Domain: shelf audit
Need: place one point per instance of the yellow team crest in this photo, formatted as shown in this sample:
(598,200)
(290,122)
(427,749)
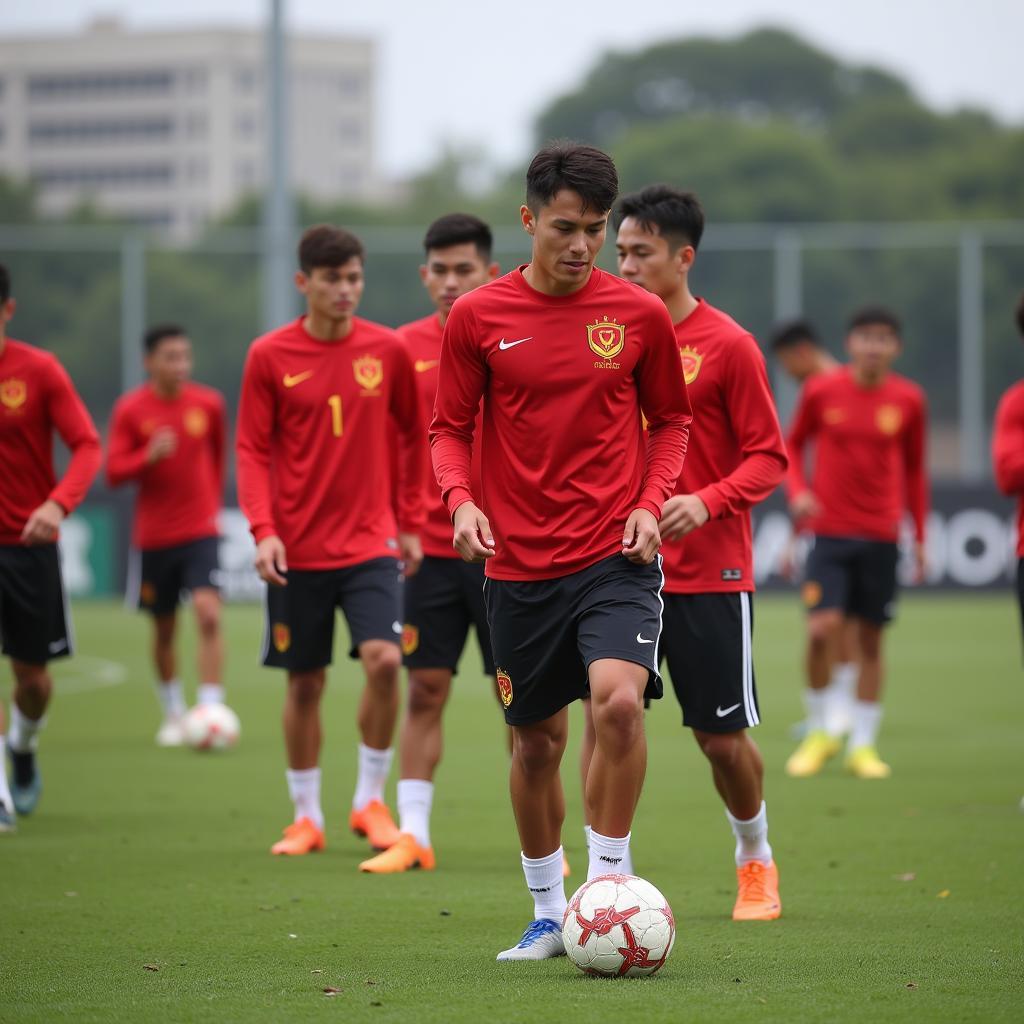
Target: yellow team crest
(410,638)
(691,360)
(13,393)
(196,421)
(504,687)
(369,372)
(282,637)
(811,593)
(889,419)
(606,338)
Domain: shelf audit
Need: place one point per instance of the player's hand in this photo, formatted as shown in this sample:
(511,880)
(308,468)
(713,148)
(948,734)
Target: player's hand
(920,563)
(270,561)
(682,514)
(162,444)
(805,506)
(473,538)
(641,539)
(42,526)
(412,553)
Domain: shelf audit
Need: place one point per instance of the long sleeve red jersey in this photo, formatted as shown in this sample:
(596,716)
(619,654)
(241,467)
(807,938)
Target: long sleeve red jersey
(869,462)
(736,455)
(312,442)
(1008,452)
(565,381)
(179,496)
(36,398)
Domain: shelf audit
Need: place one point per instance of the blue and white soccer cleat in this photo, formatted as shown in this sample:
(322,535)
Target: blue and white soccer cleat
(542,940)
(7,818)
(26,783)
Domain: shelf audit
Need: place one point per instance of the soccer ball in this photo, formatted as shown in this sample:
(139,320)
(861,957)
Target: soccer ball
(211,727)
(618,926)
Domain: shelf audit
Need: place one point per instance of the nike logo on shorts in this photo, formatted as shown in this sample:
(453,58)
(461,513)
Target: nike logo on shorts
(722,712)
(641,639)
(503,344)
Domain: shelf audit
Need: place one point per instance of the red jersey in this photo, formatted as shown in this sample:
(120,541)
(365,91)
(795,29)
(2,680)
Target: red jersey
(179,496)
(36,398)
(565,381)
(1008,452)
(736,457)
(313,434)
(869,461)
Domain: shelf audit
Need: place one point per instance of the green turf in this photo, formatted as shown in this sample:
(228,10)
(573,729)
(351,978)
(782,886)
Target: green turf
(902,898)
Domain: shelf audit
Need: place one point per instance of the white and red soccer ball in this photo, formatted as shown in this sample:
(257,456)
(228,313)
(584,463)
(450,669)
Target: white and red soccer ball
(618,926)
(211,727)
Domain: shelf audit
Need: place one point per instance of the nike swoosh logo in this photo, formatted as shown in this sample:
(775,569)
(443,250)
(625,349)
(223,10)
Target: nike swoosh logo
(422,365)
(643,640)
(503,344)
(291,379)
(722,712)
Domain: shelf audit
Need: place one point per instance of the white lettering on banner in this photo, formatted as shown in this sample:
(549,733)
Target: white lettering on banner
(74,544)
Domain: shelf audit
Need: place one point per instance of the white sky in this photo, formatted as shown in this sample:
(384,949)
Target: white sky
(478,71)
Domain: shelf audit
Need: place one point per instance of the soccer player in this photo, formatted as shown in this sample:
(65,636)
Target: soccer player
(868,426)
(314,428)
(167,436)
(799,350)
(736,458)
(36,399)
(446,596)
(568,361)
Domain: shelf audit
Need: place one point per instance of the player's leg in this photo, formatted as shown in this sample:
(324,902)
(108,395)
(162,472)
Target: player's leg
(842,684)
(160,585)
(587,744)
(33,687)
(472,574)
(7,813)
(201,577)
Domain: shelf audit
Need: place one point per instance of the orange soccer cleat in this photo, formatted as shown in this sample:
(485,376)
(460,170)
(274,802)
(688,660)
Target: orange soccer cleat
(758,898)
(300,837)
(375,822)
(405,855)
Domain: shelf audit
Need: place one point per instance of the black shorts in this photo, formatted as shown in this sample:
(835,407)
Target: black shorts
(35,624)
(442,601)
(298,633)
(855,575)
(165,573)
(546,633)
(707,644)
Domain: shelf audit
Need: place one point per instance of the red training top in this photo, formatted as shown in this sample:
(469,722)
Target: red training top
(36,398)
(565,381)
(179,495)
(736,456)
(869,464)
(313,435)
(1008,452)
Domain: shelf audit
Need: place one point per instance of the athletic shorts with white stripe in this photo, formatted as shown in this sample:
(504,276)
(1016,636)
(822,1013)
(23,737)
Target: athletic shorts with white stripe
(707,645)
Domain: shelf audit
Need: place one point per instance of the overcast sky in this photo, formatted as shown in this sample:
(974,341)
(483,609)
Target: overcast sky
(478,72)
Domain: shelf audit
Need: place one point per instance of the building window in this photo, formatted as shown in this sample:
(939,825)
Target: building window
(196,171)
(246,80)
(195,80)
(245,173)
(195,126)
(351,85)
(151,129)
(351,131)
(245,125)
(121,175)
(84,85)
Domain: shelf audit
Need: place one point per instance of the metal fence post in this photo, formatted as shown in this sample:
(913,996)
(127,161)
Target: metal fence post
(133,307)
(788,263)
(973,458)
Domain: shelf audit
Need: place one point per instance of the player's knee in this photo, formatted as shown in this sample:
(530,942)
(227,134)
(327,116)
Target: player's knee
(306,687)
(381,660)
(31,677)
(618,715)
(208,618)
(721,749)
(821,627)
(427,693)
(537,750)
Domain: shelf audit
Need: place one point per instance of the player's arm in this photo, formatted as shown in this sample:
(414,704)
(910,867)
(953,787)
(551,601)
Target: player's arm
(126,459)
(410,500)
(802,501)
(755,423)
(666,406)
(73,423)
(462,377)
(916,477)
(1008,444)
(256,411)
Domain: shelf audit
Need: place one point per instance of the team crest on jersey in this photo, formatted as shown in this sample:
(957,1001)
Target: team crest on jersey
(811,593)
(889,419)
(691,360)
(369,372)
(196,421)
(606,338)
(282,637)
(13,393)
(410,638)
(504,687)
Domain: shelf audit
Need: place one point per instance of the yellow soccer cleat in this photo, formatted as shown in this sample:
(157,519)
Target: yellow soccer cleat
(300,838)
(405,855)
(375,822)
(758,897)
(865,763)
(810,757)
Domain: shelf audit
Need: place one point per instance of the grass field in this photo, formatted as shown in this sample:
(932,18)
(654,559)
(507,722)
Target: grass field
(903,899)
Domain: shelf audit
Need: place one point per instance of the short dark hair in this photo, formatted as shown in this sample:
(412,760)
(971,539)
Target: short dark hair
(5,283)
(793,333)
(159,333)
(457,229)
(876,316)
(676,214)
(324,245)
(1020,314)
(585,170)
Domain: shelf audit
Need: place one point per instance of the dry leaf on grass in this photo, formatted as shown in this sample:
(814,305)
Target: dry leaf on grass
(331,991)
(942,895)
(907,876)
(150,967)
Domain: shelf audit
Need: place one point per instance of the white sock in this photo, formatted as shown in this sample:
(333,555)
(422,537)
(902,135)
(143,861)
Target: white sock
(867,717)
(586,835)
(751,837)
(816,703)
(23,733)
(304,789)
(171,698)
(414,799)
(5,792)
(545,882)
(607,855)
(210,693)
(844,679)
(374,766)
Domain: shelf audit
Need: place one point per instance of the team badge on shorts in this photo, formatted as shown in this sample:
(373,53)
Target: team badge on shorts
(410,638)
(369,373)
(606,338)
(147,593)
(889,419)
(13,393)
(811,593)
(196,421)
(282,637)
(504,687)
(691,360)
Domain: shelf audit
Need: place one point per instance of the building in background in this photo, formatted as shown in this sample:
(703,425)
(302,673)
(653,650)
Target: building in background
(166,128)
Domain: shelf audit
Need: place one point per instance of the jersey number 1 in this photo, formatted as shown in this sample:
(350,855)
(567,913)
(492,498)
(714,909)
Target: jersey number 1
(335,403)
